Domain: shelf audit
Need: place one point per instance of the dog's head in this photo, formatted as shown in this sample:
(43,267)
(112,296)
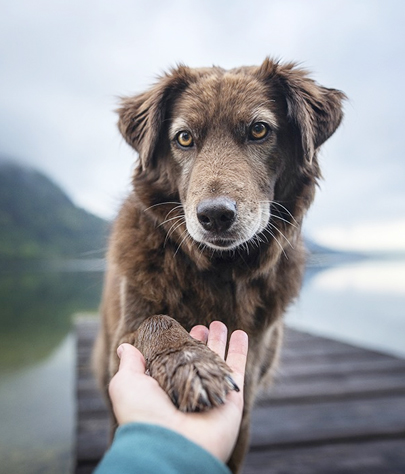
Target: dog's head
(237,148)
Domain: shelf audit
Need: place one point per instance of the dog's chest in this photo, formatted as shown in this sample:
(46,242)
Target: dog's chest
(203,297)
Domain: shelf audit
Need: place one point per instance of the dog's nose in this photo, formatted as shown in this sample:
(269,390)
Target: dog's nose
(216,215)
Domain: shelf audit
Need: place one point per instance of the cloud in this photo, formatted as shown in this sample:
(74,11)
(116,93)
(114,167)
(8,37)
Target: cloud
(64,63)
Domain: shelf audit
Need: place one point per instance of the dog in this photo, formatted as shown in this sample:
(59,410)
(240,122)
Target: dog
(212,228)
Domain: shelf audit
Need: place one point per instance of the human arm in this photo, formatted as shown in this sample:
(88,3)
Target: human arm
(137,398)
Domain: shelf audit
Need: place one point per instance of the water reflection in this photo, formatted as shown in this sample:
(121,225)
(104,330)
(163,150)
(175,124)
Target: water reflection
(36,310)
(37,415)
(361,303)
(37,363)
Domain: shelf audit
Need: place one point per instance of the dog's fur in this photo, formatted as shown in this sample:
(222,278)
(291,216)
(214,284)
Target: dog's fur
(211,230)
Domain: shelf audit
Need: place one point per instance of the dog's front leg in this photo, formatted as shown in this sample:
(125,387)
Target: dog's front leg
(235,462)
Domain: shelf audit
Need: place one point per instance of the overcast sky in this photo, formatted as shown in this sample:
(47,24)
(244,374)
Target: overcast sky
(63,63)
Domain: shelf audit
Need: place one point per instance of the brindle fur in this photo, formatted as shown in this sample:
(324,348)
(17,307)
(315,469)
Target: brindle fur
(160,260)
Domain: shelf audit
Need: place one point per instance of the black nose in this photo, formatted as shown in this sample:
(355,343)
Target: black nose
(216,215)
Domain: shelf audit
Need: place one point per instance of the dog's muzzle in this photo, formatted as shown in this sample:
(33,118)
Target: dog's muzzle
(216,215)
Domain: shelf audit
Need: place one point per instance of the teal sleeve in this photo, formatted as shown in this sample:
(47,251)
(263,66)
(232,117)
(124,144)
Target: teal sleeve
(140,448)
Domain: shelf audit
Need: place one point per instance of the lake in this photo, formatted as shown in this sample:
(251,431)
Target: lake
(361,302)
(37,359)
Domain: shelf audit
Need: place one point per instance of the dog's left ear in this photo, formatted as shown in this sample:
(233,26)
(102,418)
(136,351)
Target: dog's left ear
(315,111)
(141,117)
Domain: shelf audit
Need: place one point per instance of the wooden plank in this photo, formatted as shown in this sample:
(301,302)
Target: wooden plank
(331,370)
(328,387)
(305,348)
(376,457)
(92,403)
(92,440)
(294,336)
(329,352)
(92,427)
(374,363)
(328,421)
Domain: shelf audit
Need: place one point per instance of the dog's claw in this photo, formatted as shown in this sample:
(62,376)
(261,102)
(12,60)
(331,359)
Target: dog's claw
(232,383)
(203,399)
(175,398)
(219,400)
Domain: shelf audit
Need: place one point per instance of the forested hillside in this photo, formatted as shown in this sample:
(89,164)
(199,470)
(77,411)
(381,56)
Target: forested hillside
(38,220)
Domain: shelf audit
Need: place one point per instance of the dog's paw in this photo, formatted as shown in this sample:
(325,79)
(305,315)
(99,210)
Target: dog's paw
(194,377)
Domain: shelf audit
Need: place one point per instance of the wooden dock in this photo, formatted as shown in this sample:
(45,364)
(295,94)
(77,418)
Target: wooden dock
(334,408)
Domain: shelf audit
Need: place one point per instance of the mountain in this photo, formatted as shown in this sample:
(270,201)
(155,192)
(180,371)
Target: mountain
(313,248)
(38,220)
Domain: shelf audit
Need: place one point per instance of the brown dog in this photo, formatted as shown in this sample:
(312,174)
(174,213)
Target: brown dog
(211,231)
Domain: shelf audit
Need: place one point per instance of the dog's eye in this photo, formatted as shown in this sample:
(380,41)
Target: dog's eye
(258,131)
(185,139)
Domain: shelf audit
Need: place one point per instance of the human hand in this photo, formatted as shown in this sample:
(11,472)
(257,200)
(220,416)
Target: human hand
(137,397)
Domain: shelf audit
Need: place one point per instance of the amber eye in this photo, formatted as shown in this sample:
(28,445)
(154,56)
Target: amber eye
(258,131)
(185,139)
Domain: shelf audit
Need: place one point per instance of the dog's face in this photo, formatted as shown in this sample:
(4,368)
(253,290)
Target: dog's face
(223,139)
(231,144)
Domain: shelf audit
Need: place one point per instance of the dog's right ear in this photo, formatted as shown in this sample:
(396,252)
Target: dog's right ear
(313,110)
(141,117)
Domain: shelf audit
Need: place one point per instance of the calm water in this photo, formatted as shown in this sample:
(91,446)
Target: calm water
(37,365)
(361,302)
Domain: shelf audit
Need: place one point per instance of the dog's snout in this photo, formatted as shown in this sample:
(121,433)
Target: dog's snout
(216,215)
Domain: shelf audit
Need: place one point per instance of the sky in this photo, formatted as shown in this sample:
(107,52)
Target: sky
(65,63)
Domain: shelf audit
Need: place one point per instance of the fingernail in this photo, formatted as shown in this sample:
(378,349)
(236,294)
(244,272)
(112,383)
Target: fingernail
(120,350)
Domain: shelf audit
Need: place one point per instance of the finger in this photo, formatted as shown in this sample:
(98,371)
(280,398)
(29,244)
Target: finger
(200,333)
(131,359)
(237,355)
(217,337)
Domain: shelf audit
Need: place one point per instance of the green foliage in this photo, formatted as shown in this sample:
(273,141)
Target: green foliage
(38,220)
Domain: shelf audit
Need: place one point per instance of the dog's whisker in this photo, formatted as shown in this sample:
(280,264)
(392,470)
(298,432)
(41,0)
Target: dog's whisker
(183,240)
(175,209)
(201,248)
(264,238)
(278,242)
(178,247)
(170,220)
(277,216)
(286,210)
(282,235)
(285,220)
(173,229)
(240,253)
(256,241)
(163,204)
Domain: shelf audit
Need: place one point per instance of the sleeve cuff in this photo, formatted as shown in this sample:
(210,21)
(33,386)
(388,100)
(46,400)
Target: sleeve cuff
(141,447)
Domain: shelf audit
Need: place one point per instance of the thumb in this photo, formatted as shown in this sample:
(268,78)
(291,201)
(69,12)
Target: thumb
(131,359)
